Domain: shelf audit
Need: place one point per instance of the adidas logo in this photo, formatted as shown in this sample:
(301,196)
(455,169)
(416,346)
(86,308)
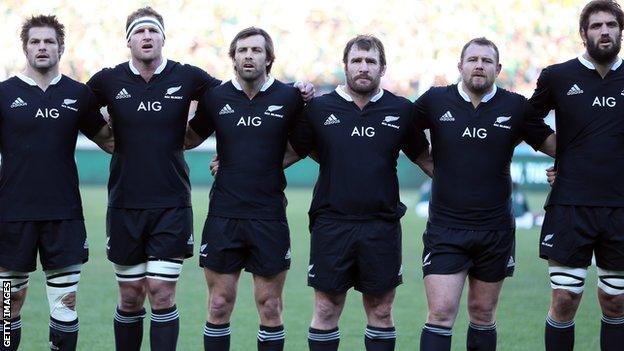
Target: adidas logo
(288,255)
(190,240)
(123,94)
(331,120)
(575,90)
(511,262)
(622,93)
(225,110)
(18,103)
(447,117)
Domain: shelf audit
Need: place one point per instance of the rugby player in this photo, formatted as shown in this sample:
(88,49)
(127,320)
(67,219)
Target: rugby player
(41,112)
(470,232)
(246,227)
(149,219)
(357,132)
(585,209)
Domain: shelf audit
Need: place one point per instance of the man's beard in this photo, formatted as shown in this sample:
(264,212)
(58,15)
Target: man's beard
(603,56)
(363,90)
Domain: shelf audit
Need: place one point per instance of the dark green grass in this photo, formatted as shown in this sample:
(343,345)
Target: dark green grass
(521,312)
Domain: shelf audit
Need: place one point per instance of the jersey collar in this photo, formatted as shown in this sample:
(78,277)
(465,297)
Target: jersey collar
(487,97)
(31,82)
(264,87)
(341,91)
(590,65)
(158,70)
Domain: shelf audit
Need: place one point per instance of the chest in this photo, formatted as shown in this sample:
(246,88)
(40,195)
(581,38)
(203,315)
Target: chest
(460,125)
(346,127)
(55,112)
(239,116)
(163,101)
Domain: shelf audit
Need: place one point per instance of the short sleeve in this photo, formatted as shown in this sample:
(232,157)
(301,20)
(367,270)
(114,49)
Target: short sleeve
(414,141)
(202,123)
(91,120)
(203,82)
(534,131)
(302,137)
(542,100)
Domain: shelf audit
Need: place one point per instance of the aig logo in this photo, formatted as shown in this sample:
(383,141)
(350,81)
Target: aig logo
(480,133)
(604,101)
(363,132)
(249,121)
(149,106)
(47,113)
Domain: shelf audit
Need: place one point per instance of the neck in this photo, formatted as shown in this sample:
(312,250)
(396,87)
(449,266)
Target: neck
(147,68)
(360,99)
(252,88)
(601,68)
(42,77)
(476,98)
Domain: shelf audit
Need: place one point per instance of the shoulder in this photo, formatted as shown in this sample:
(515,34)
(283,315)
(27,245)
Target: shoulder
(327,99)
(510,95)
(566,68)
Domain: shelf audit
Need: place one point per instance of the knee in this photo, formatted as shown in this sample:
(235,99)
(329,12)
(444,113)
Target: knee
(442,314)
(270,308)
(381,312)
(612,305)
(161,294)
(69,300)
(132,295)
(17,301)
(326,310)
(220,306)
(564,304)
(481,312)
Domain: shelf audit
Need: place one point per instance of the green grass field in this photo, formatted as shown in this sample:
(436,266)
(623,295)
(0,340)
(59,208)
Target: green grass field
(521,312)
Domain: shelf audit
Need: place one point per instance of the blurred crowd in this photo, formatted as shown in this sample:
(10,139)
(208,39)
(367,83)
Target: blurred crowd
(423,39)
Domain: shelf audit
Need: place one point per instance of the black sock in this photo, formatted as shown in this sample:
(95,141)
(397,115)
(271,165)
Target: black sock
(379,339)
(16,335)
(435,338)
(611,333)
(217,337)
(128,330)
(164,329)
(559,336)
(63,335)
(323,340)
(481,337)
(271,338)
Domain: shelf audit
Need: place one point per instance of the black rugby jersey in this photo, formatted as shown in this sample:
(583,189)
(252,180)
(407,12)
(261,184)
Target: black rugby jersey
(472,151)
(357,152)
(38,132)
(148,169)
(251,140)
(590,132)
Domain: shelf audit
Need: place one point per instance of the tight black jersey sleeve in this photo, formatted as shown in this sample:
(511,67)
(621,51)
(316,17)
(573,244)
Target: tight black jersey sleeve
(202,123)
(93,121)
(302,138)
(414,142)
(534,130)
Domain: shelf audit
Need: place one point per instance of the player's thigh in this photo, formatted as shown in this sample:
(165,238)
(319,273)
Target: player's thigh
(19,245)
(444,291)
(266,288)
(483,298)
(223,246)
(492,254)
(445,250)
(333,256)
(568,235)
(379,253)
(268,244)
(170,233)
(63,243)
(222,285)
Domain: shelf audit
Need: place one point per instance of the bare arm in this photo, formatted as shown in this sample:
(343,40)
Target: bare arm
(104,139)
(549,146)
(425,162)
(192,139)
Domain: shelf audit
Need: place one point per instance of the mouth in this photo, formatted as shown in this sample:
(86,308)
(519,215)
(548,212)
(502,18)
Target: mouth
(42,57)
(147,46)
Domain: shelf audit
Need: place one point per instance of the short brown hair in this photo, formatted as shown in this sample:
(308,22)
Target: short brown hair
(482,41)
(365,42)
(145,12)
(43,21)
(594,6)
(249,32)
